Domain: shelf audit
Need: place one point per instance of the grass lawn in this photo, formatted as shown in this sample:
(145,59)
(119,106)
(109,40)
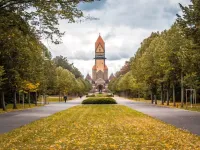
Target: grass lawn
(56,99)
(178,104)
(52,99)
(102,95)
(9,107)
(99,127)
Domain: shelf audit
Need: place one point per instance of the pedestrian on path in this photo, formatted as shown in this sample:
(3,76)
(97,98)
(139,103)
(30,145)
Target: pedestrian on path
(65,98)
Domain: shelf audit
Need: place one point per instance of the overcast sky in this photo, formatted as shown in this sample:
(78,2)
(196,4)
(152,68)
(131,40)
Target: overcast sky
(123,24)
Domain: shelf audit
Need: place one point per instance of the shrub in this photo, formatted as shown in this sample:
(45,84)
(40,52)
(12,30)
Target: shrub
(99,100)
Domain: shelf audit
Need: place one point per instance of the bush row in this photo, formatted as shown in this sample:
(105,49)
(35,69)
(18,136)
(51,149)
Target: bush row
(99,100)
(100,95)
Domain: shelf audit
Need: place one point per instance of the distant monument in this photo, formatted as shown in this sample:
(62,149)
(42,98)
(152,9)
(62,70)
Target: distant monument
(100,70)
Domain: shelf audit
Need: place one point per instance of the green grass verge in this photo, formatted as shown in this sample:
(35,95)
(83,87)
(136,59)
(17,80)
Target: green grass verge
(104,95)
(90,95)
(99,100)
(56,99)
(99,127)
(9,107)
(52,99)
(178,104)
(100,95)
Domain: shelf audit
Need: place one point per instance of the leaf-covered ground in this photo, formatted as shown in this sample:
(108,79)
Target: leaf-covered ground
(99,127)
(9,107)
(195,107)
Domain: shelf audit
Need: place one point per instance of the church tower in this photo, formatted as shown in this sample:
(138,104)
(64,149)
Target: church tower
(100,70)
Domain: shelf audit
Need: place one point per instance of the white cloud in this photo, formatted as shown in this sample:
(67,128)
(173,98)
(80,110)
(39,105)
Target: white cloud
(123,24)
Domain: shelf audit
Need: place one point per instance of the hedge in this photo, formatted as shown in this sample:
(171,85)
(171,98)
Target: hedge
(99,100)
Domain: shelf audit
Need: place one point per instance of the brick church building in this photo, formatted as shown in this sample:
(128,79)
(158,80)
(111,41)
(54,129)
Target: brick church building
(100,70)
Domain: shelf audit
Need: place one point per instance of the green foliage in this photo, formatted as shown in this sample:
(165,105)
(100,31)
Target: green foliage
(99,100)
(67,83)
(190,20)
(1,76)
(158,65)
(24,59)
(61,61)
(45,14)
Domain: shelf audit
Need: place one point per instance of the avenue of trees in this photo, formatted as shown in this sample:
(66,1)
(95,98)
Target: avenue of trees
(167,63)
(27,69)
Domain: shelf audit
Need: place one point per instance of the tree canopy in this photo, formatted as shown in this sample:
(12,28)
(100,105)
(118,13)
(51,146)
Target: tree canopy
(43,16)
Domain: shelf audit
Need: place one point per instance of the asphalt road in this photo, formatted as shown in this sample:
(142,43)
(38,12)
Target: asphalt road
(12,120)
(184,119)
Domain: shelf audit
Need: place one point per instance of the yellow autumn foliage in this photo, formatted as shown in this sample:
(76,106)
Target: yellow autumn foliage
(28,86)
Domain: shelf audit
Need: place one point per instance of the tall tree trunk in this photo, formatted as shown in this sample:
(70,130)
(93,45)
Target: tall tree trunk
(19,97)
(59,96)
(3,102)
(45,100)
(161,94)
(36,98)
(174,97)
(155,99)
(139,95)
(15,100)
(23,99)
(167,97)
(151,97)
(29,99)
(182,90)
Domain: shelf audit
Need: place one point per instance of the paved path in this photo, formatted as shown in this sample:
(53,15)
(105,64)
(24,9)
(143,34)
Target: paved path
(12,120)
(184,119)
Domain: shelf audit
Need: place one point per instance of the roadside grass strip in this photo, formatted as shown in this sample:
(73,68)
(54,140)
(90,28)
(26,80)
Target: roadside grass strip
(9,107)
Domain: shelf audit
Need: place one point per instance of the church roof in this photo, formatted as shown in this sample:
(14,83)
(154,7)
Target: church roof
(88,77)
(111,77)
(105,68)
(100,41)
(94,67)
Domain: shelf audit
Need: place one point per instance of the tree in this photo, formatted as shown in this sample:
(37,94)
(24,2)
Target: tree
(61,61)
(21,54)
(1,76)
(190,20)
(165,63)
(44,15)
(2,104)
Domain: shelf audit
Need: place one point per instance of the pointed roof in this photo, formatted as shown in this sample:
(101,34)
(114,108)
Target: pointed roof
(88,77)
(111,77)
(94,67)
(99,41)
(105,67)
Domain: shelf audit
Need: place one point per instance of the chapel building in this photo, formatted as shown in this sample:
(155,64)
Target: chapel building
(100,70)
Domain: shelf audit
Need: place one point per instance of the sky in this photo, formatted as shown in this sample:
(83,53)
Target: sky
(123,24)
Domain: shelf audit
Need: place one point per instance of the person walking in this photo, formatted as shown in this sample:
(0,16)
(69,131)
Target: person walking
(65,98)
